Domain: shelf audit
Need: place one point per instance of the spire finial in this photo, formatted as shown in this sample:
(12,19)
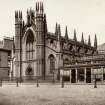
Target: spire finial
(95,41)
(82,38)
(75,37)
(89,41)
(38,6)
(56,29)
(59,29)
(58,32)
(45,22)
(66,33)
(27,11)
(21,14)
(16,14)
(42,7)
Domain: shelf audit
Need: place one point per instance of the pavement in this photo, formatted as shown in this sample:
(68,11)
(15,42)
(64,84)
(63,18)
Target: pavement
(50,94)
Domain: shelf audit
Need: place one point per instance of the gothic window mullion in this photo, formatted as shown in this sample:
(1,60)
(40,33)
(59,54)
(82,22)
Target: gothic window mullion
(32,50)
(29,51)
(29,45)
(52,64)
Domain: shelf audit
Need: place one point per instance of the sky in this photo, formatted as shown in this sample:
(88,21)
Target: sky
(87,16)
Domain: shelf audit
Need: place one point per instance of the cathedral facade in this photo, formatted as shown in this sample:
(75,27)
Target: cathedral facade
(42,53)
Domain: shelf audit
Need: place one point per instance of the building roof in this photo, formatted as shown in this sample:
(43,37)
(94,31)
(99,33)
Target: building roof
(71,41)
(101,48)
(5,50)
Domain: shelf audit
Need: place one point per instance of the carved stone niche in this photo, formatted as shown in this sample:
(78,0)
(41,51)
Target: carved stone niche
(66,60)
(90,51)
(81,50)
(55,44)
(78,49)
(65,46)
(70,47)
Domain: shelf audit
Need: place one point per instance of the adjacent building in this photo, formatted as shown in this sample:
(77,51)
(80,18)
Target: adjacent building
(5,57)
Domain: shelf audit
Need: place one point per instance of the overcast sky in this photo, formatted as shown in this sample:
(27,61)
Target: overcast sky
(87,16)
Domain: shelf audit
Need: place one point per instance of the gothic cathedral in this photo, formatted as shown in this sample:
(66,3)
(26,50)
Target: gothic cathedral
(42,53)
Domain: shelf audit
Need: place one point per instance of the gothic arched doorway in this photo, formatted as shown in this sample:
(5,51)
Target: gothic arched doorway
(29,73)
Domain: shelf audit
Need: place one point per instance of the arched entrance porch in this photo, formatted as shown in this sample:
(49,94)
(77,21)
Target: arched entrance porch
(29,73)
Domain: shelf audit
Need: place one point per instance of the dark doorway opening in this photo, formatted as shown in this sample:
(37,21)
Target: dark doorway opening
(66,78)
(73,76)
(80,75)
(88,75)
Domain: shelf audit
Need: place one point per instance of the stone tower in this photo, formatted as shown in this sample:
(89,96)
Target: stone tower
(40,39)
(18,48)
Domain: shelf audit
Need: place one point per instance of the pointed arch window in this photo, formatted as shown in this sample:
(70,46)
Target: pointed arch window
(66,61)
(30,46)
(52,63)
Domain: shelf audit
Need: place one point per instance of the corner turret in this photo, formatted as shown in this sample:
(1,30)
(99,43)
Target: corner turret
(41,31)
(18,45)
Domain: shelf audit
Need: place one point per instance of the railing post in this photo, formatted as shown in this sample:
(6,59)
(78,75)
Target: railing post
(37,82)
(85,75)
(95,82)
(17,82)
(53,78)
(102,75)
(0,82)
(70,75)
(62,82)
